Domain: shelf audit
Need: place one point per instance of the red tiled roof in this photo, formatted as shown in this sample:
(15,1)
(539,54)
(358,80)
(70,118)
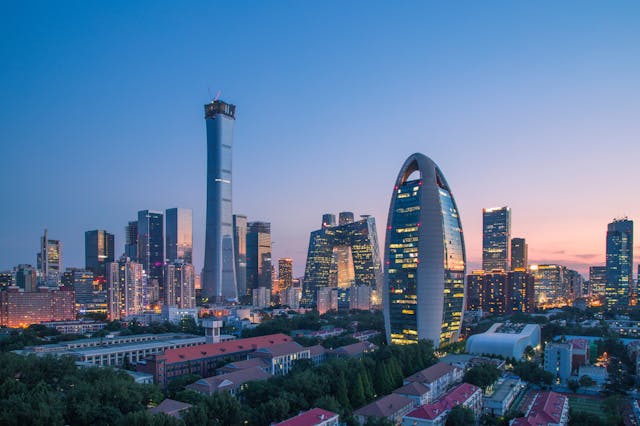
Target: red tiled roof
(431,374)
(385,406)
(170,407)
(547,408)
(578,343)
(308,418)
(456,396)
(223,348)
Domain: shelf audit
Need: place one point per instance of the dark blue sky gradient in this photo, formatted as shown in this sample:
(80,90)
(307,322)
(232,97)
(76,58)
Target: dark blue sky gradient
(529,104)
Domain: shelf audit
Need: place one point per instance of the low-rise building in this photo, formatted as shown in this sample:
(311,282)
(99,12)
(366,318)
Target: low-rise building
(498,402)
(317,354)
(597,374)
(281,357)
(579,352)
(354,350)
(313,417)
(391,407)
(229,382)
(420,393)
(545,408)
(243,365)
(557,360)
(505,339)
(435,414)
(171,407)
(75,327)
(439,377)
(365,335)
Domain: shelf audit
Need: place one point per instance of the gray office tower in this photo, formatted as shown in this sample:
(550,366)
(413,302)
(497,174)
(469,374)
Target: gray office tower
(619,262)
(98,251)
(496,235)
(219,281)
(179,235)
(151,249)
(519,253)
(259,255)
(131,240)
(240,245)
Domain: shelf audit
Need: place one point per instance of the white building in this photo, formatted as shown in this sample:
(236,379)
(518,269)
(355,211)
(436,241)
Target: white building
(505,339)
(557,360)
(497,402)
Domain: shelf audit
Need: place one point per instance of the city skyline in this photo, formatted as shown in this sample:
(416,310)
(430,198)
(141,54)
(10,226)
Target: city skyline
(550,126)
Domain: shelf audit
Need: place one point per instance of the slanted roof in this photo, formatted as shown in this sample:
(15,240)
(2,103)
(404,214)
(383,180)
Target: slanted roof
(413,388)
(247,363)
(282,349)
(431,374)
(223,348)
(547,408)
(170,407)
(312,417)
(458,395)
(316,350)
(355,349)
(230,380)
(385,406)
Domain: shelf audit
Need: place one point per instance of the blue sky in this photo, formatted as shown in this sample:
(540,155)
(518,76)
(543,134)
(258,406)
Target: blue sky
(534,105)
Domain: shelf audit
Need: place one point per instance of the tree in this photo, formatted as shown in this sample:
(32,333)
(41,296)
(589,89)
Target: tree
(586,381)
(482,375)
(574,385)
(460,416)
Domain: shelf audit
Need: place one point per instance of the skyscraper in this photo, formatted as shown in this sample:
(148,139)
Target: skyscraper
(49,261)
(285,273)
(619,262)
(551,286)
(343,255)
(597,280)
(520,291)
(424,256)
(179,235)
(131,240)
(26,278)
(219,281)
(180,284)
(151,249)
(259,255)
(98,251)
(519,253)
(125,288)
(496,233)
(240,247)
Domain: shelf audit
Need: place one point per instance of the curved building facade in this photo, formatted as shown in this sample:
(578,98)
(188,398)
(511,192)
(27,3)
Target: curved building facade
(424,254)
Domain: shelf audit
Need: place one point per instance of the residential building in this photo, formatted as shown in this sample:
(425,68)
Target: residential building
(498,400)
(496,237)
(354,350)
(75,327)
(219,280)
(425,256)
(281,357)
(435,414)
(438,378)
(179,235)
(99,251)
(285,273)
(229,382)
(519,254)
(391,407)
(619,262)
(557,360)
(124,288)
(179,285)
(416,391)
(313,417)
(360,297)
(505,339)
(343,255)
(520,291)
(170,407)
(327,299)
(475,286)
(545,408)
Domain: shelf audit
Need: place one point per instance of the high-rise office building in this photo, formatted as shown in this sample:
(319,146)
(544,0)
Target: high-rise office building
(179,235)
(424,256)
(327,299)
(180,284)
(619,262)
(475,286)
(328,219)
(125,288)
(98,251)
(240,247)
(219,282)
(151,249)
(343,255)
(131,240)
(26,278)
(344,218)
(597,280)
(520,291)
(575,281)
(81,280)
(519,253)
(496,235)
(285,273)
(259,267)
(49,261)
(360,297)
(551,286)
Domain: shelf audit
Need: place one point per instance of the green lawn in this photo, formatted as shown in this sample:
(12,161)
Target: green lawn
(588,405)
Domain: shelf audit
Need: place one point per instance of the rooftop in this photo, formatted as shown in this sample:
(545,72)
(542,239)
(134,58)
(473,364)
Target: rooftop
(170,407)
(456,396)
(282,349)
(547,407)
(385,406)
(232,380)
(413,388)
(356,348)
(431,374)
(312,417)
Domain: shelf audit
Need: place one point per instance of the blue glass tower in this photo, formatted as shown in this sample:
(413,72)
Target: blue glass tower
(424,253)
(151,250)
(619,262)
(496,235)
(219,282)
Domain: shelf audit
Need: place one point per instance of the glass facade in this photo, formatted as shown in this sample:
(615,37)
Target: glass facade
(619,262)
(131,240)
(259,266)
(219,281)
(424,291)
(49,261)
(179,238)
(551,286)
(151,249)
(98,251)
(519,253)
(597,280)
(496,233)
(240,247)
(343,256)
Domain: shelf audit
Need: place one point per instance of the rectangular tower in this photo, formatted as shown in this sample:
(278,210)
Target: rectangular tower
(151,249)
(597,280)
(519,253)
(619,262)
(131,240)
(258,255)
(496,233)
(285,273)
(98,251)
(219,281)
(240,246)
(179,238)
(49,261)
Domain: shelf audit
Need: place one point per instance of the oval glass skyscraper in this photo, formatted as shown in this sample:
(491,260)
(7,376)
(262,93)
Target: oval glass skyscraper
(424,257)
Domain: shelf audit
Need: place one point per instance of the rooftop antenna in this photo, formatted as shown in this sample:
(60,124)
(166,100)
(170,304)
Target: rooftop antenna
(217,96)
